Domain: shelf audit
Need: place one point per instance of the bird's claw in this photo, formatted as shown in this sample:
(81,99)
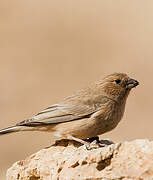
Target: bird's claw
(94,143)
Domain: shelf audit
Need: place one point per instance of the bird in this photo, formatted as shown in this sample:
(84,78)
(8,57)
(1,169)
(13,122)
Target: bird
(89,112)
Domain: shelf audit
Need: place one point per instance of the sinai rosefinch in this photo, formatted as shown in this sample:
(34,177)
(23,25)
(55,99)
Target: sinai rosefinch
(88,113)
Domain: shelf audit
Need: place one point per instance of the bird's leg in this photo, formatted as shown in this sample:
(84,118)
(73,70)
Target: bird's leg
(78,140)
(88,144)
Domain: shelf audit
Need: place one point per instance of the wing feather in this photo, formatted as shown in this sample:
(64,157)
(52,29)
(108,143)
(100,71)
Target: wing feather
(64,112)
(59,113)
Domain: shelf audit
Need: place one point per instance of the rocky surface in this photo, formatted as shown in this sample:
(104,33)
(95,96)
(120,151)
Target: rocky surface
(69,161)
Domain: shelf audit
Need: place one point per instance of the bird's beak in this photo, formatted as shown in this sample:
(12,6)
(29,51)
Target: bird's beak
(131,83)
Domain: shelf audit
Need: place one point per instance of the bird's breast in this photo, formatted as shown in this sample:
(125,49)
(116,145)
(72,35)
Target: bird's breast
(109,117)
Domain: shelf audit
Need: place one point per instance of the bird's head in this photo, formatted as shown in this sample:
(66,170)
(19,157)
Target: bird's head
(118,85)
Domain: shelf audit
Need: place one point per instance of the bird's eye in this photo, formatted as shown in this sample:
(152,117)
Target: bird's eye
(117,81)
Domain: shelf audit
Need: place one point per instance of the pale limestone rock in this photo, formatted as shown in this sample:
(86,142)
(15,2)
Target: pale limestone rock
(70,161)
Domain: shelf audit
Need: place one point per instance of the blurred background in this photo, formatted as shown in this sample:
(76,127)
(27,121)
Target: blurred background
(51,48)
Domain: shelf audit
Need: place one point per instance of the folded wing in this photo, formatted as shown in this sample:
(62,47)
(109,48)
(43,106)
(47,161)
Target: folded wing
(59,113)
(69,111)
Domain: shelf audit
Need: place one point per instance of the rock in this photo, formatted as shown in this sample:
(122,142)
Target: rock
(67,160)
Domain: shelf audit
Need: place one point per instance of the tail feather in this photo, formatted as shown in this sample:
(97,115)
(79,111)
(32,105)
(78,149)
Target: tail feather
(10,130)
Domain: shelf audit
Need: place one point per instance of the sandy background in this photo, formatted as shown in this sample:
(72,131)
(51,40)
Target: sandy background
(51,48)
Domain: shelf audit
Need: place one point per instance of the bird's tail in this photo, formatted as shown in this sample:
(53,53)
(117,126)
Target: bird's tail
(11,129)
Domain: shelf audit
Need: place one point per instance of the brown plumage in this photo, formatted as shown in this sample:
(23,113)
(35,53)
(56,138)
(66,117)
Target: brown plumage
(90,112)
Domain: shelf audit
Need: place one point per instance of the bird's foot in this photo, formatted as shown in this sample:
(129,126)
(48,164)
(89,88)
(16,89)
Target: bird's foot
(91,139)
(105,142)
(94,142)
(92,145)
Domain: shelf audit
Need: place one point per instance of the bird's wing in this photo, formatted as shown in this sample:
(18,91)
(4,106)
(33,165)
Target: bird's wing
(59,113)
(67,111)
